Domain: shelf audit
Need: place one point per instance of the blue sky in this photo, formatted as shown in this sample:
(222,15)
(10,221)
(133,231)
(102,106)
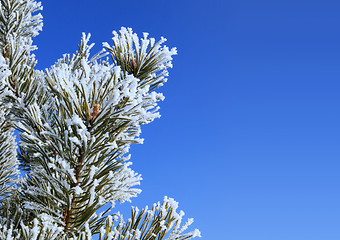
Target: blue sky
(248,142)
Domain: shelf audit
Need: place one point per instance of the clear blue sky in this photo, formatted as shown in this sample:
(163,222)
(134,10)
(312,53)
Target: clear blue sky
(249,139)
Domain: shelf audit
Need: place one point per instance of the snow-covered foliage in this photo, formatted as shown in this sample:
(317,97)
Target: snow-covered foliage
(36,231)
(161,221)
(18,24)
(8,160)
(77,121)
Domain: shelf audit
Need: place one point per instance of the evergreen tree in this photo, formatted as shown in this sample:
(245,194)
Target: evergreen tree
(76,122)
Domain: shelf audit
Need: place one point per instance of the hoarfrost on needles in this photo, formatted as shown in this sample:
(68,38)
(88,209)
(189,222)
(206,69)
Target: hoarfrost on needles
(77,120)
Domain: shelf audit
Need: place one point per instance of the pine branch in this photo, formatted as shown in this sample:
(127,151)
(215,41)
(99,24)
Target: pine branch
(18,24)
(160,222)
(77,156)
(77,121)
(146,60)
(8,160)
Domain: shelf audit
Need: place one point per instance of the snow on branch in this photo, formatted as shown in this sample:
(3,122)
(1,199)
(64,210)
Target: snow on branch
(8,158)
(77,121)
(79,145)
(161,222)
(145,59)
